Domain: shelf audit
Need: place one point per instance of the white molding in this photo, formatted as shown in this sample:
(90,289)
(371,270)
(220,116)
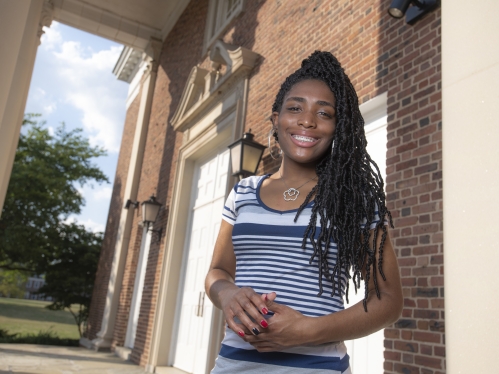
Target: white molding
(127,64)
(375,108)
(239,62)
(214,19)
(103,23)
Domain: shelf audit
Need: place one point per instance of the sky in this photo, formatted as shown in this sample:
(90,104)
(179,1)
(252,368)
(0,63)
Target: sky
(73,83)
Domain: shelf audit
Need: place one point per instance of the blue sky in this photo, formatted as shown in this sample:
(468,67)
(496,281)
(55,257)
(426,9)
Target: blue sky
(73,83)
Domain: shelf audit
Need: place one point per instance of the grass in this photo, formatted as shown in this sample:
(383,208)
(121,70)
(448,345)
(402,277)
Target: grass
(29,318)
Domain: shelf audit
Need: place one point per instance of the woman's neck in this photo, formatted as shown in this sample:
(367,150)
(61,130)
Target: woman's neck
(293,171)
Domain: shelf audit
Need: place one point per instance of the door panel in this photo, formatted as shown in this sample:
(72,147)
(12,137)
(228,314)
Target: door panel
(196,311)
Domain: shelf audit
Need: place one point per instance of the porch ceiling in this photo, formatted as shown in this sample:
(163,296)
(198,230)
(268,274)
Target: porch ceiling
(129,22)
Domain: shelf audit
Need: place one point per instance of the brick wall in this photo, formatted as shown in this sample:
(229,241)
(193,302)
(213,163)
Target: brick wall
(380,54)
(117,202)
(410,68)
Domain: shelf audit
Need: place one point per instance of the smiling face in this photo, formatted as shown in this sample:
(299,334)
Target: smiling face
(306,122)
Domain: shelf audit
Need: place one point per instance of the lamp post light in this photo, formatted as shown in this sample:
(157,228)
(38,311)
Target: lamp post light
(150,210)
(418,9)
(245,156)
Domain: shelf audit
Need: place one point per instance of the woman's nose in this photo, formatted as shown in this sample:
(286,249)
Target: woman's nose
(307,119)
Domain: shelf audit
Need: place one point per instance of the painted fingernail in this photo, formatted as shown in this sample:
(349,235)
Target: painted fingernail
(241,334)
(265,311)
(255,331)
(264,323)
(266,298)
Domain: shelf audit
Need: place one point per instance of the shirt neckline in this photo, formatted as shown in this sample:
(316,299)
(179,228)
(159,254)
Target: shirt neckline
(263,205)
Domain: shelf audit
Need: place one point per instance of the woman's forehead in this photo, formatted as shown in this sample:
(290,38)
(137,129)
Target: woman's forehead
(311,87)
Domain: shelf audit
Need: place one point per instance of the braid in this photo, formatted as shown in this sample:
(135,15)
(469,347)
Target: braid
(349,187)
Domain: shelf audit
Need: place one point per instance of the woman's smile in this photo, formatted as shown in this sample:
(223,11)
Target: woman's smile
(306,122)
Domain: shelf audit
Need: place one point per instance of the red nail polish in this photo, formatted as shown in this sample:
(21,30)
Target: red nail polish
(241,334)
(265,311)
(266,298)
(264,323)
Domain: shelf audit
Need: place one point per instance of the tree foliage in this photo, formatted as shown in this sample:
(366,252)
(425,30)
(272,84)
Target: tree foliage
(43,192)
(13,283)
(36,236)
(70,278)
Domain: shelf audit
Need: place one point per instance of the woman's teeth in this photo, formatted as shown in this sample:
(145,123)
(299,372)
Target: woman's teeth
(303,138)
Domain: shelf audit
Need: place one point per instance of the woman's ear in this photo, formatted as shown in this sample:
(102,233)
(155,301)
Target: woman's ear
(274,119)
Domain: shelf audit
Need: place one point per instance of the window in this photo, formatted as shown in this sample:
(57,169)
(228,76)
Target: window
(220,14)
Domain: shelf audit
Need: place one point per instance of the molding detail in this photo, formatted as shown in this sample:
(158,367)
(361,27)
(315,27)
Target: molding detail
(127,64)
(203,86)
(46,18)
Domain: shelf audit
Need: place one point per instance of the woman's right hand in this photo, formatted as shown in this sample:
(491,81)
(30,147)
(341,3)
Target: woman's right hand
(243,307)
(244,310)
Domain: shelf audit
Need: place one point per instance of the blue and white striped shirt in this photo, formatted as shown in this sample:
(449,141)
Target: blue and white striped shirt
(269,258)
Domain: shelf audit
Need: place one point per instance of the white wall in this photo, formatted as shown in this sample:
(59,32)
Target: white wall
(470,66)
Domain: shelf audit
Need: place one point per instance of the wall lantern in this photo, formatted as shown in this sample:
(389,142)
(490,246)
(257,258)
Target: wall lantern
(245,155)
(150,210)
(418,9)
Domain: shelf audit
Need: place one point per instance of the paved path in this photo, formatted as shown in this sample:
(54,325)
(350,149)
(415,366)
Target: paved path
(45,359)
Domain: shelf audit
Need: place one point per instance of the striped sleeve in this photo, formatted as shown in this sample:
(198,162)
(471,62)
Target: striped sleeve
(229,214)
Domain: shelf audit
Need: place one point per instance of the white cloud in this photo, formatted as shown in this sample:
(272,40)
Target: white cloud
(42,102)
(52,37)
(93,226)
(89,224)
(103,193)
(86,83)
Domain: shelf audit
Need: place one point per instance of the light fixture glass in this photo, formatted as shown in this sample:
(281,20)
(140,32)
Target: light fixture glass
(245,156)
(150,210)
(398,8)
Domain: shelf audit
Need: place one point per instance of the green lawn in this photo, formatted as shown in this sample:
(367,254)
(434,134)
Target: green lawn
(20,316)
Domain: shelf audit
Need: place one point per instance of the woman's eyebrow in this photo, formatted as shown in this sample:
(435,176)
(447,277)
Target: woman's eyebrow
(302,100)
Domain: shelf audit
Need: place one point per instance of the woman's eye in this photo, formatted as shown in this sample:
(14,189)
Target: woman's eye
(324,114)
(293,108)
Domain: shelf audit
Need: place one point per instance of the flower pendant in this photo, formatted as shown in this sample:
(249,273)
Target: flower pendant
(291,194)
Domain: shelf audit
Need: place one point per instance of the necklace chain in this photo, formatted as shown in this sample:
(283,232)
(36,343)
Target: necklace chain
(291,194)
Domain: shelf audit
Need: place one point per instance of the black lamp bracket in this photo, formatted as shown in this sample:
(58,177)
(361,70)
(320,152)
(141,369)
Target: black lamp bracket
(130,202)
(419,9)
(149,226)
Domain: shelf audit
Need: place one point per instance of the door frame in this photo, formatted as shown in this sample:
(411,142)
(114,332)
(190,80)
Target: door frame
(215,335)
(209,136)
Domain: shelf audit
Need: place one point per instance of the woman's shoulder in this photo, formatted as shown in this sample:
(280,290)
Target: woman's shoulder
(250,182)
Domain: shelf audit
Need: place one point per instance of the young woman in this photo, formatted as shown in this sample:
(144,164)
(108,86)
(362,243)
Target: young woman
(290,241)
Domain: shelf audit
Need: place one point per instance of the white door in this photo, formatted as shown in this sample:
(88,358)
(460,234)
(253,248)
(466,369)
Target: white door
(209,185)
(366,354)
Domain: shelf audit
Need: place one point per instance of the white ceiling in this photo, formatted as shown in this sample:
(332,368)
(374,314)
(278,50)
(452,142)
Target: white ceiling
(129,22)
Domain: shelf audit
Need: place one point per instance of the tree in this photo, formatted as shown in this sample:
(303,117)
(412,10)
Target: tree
(42,193)
(35,235)
(13,283)
(70,277)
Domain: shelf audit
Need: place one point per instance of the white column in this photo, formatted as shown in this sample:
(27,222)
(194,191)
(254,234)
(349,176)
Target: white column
(470,101)
(105,335)
(21,25)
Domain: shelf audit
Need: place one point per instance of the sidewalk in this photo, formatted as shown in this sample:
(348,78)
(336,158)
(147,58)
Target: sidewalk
(45,359)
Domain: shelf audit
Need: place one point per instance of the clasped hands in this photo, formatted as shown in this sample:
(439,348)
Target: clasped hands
(245,312)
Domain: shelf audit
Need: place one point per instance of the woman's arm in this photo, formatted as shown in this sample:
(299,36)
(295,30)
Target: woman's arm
(220,288)
(288,328)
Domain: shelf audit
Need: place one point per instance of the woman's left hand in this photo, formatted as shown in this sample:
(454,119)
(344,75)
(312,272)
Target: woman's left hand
(286,328)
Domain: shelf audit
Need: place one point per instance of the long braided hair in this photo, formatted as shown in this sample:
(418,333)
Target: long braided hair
(349,190)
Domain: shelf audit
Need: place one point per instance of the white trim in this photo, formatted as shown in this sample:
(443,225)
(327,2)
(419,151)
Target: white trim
(138,288)
(196,99)
(217,19)
(375,108)
(128,63)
